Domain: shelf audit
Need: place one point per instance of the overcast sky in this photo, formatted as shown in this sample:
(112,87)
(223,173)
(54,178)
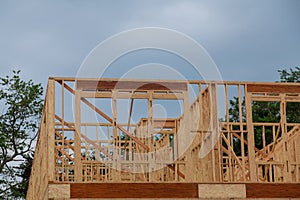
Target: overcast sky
(248,40)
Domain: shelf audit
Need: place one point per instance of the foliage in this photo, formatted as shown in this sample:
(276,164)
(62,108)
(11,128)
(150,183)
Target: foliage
(267,111)
(293,109)
(234,110)
(20,110)
(291,75)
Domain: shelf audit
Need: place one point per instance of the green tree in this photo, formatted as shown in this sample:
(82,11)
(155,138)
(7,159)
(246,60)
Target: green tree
(20,110)
(292,108)
(291,75)
(267,111)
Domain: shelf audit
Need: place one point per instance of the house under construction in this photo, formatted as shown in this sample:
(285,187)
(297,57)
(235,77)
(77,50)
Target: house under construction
(160,139)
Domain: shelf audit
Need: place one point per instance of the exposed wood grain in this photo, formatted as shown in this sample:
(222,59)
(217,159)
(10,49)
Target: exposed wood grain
(257,190)
(50,104)
(163,153)
(275,88)
(134,190)
(138,86)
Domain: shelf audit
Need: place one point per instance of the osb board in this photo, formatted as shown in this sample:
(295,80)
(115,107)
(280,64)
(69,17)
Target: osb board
(59,191)
(230,191)
(134,190)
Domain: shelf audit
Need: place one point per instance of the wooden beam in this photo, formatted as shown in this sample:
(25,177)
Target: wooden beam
(160,123)
(269,190)
(94,85)
(89,104)
(132,95)
(275,88)
(134,190)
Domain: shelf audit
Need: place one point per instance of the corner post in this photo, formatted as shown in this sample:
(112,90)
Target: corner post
(77,138)
(50,103)
(250,136)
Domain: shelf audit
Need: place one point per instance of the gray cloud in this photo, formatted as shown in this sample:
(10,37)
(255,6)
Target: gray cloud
(249,40)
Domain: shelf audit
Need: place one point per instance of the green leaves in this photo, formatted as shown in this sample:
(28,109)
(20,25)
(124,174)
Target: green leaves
(267,111)
(291,75)
(21,105)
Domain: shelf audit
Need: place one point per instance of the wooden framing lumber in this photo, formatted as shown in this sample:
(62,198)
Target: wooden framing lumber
(278,88)
(166,150)
(251,140)
(50,105)
(107,117)
(95,85)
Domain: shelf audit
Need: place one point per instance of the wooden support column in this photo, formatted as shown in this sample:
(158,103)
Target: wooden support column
(150,130)
(242,131)
(187,137)
(287,166)
(229,138)
(116,139)
(297,155)
(175,142)
(63,124)
(50,117)
(215,133)
(77,138)
(251,141)
(150,136)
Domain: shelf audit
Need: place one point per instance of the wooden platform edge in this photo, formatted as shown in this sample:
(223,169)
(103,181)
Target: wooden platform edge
(134,190)
(267,190)
(179,190)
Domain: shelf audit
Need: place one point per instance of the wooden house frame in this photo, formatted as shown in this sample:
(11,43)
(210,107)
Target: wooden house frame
(203,145)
